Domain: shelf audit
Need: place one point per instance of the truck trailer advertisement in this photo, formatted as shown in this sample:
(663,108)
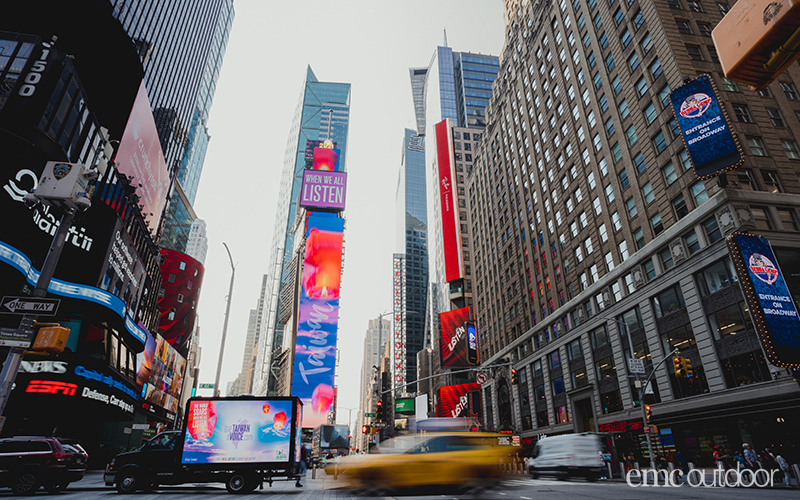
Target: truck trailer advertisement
(242,431)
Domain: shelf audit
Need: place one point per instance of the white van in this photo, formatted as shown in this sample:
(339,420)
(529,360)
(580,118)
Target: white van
(569,455)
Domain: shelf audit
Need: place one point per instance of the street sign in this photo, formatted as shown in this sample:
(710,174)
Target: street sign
(140,427)
(29,305)
(126,430)
(15,337)
(206,386)
(648,430)
(369,415)
(636,365)
(482,378)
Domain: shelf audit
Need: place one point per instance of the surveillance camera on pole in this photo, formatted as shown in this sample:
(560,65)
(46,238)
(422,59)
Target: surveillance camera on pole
(65,185)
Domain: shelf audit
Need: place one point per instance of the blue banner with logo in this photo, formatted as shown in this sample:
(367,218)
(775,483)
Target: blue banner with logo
(768,298)
(712,146)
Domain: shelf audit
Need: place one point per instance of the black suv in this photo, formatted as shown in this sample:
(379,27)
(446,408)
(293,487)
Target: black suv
(28,463)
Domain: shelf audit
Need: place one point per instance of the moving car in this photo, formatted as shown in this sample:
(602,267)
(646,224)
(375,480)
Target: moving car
(77,458)
(466,459)
(28,463)
(570,455)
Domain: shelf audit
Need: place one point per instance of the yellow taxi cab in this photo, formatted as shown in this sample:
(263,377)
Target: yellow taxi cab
(470,459)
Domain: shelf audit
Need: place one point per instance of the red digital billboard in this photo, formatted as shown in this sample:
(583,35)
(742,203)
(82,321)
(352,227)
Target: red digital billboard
(453,326)
(454,401)
(451,231)
(177,301)
(139,155)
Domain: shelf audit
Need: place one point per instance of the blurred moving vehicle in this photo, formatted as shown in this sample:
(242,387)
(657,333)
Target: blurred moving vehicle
(76,461)
(471,460)
(28,463)
(570,455)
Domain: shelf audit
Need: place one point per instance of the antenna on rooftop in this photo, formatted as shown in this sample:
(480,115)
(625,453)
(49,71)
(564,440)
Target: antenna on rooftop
(445,37)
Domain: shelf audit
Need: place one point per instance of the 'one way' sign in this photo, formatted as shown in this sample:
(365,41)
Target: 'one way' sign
(29,305)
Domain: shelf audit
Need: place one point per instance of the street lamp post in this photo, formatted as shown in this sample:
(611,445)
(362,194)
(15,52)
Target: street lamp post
(225,325)
(641,393)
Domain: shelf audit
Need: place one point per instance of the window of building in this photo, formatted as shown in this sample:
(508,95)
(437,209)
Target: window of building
(771,180)
(674,130)
(679,204)
(650,113)
(704,29)
(775,117)
(691,242)
(641,86)
(554,360)
(730,321)
(745,179)
(616,221)
(716,277)
(631,135)
(756,146)
(638,20)
(790,148)
(788,220)
(647,193)
(742,113)
(695,53)
(630,204)
(649,270)
(713,234)
(669,173)
(656,69)
(646,43)
(728,85)
(789,90)
(605,368)
(699,193)
(659,142)
(633,61)
(684,157)
(761,218)
(599,336)
(668,301)
(638,236)
(655,221)
(665,256)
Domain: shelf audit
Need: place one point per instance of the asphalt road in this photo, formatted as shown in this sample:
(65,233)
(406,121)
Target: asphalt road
(519,488)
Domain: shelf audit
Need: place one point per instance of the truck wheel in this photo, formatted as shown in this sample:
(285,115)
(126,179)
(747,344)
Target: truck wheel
(240,482)
(26,482)
(127,482)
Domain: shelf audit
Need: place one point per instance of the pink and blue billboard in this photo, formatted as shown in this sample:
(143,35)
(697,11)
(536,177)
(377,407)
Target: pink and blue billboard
(318,318)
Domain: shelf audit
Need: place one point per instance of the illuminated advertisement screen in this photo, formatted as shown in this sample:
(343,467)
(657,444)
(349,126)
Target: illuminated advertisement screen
(318,318)
(451,231)
(160,371)
(334,436)
(472,343)
(241,431)
(298,434)
(404,405)
(139,155)
(711,145)
(323,190)
(177,304)
(454,400)
(453,325)
(768,298)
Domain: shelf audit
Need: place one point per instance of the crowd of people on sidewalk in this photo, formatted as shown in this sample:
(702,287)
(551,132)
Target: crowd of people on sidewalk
(749,461)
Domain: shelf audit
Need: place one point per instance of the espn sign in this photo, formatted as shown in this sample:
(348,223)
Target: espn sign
(51,387)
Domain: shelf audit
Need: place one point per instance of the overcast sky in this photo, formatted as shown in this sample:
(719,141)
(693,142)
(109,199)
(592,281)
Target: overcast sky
(369,44)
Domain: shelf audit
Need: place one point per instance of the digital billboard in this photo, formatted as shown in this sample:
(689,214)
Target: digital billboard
(712,147)
(768,298)
(318,318)
(241,431)
(451,230)
(453,326)
(177,302)
(399,323)
(323,190)
(139,155)
(454,400)
(334,436)
(472,343)
(159,374)
(404,405)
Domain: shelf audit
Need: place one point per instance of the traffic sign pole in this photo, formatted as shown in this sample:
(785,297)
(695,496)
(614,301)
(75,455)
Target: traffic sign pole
(11,365)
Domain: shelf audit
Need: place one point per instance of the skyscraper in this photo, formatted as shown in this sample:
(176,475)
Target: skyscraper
(323,111)
(240,384)
(411,259)
(197,246)
(379,334)
(596,243)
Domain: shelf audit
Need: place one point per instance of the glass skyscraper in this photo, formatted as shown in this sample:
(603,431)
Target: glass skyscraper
(181,45)
(412,246)
(323,111)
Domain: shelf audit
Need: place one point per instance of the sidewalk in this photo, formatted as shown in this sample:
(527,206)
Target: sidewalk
(93,481)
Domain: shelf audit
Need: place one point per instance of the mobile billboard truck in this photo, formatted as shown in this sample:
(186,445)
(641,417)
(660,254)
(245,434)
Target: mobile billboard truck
(241,441)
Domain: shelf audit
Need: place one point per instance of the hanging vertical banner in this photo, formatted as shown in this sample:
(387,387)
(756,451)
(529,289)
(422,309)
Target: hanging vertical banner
(451,230)
(318,318)
(399,305)
(768,298)
(712,147)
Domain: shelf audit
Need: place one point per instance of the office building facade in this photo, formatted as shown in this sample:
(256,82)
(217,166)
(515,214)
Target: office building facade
(587,223)
(323,111)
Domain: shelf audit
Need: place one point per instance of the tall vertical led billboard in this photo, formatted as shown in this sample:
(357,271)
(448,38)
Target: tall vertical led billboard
(451,230)
(139,155)
(768,298)
(399,323)
(453,325)
(318,318)
(713,148)
(159,375)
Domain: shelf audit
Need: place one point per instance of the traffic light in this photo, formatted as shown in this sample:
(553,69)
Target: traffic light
(648,412)
(677,362)
(757,40)
(365,429)
(687,368)
(513,376)
(379,411)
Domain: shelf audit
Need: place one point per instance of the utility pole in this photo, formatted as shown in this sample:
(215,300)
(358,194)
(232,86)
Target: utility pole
(225,325)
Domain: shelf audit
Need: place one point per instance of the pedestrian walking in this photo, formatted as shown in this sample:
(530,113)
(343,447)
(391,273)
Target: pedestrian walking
(787,471)
(303,465)
(719,458)
(750,457)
